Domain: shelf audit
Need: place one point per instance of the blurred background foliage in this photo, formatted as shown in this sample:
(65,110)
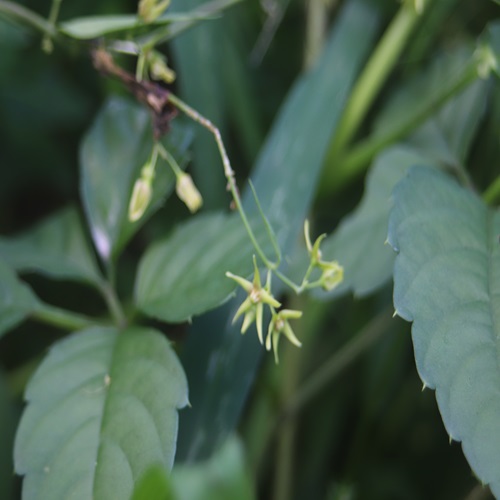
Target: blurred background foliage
(363,429)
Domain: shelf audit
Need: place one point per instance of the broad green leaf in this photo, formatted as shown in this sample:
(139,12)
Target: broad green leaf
(112,155)
(359,243)
(447,136)
(56,247)
(102,409)
(447,281)
(184,274)
(86,28)
(223,477)
(285,178)
(16,299)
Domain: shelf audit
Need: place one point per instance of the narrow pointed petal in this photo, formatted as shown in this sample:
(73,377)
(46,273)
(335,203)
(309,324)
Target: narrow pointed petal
(287,330)
(258,320)
(248,320)
(245,284)
(245,306)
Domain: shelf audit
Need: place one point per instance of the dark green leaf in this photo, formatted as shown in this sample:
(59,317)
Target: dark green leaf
(16,299)
(359,242)
(447,281)
(102,409)
(56,247)
(184,274)
(223,477)
(112,155)
(285,179)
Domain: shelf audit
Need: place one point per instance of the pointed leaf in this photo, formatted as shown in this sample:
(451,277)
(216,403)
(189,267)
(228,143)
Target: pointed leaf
(184,274)
(56,247)
(112,155)
(102,409)
(16,299)
(447,281)
(359,241)
(86,28)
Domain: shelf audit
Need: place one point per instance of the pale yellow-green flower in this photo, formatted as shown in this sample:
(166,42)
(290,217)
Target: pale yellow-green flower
(142,193)
(253,306)
(149,10)
(278,326)
(188,193)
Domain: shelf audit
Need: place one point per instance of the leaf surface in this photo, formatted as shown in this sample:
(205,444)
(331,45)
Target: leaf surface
(17,300)
(56,247)
(112,155)
(447,281)
(102,409)
(184,274)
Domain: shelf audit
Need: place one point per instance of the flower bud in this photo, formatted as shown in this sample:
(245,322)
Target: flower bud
(159,69)
(187,192)
(139,202)
(149,10)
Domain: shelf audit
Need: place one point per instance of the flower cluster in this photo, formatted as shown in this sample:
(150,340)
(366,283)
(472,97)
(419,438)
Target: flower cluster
(252,309)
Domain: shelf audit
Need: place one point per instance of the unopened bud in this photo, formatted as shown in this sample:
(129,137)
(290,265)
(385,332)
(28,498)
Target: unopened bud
(188,193)
(149,10)
(159,68)
(139,202)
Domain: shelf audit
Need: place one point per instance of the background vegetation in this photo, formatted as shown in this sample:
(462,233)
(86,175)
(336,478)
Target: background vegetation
(345,416)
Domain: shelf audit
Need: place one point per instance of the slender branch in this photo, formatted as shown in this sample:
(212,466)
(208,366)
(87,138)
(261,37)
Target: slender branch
(228,172)
(332,368)
(113,303)
(27,17)
(61,318)
(492,194)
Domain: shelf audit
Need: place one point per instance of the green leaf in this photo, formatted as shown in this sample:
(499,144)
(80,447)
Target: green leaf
(17,301)
(112,154)
(447,281)
(56,247)
(102,409)
(86,28)
(223,477)
(359,243)
(285,178)
(184,274)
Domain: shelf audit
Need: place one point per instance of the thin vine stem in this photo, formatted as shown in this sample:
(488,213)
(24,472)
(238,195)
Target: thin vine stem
(229,174)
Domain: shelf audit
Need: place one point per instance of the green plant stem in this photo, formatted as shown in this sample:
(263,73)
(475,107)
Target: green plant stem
(316,26)
(370,82)
(492,194)
(337,363)
(61,318)
(291,366)
(47,45)
(27,17)
(113,303)
(360,156)
(228,173)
